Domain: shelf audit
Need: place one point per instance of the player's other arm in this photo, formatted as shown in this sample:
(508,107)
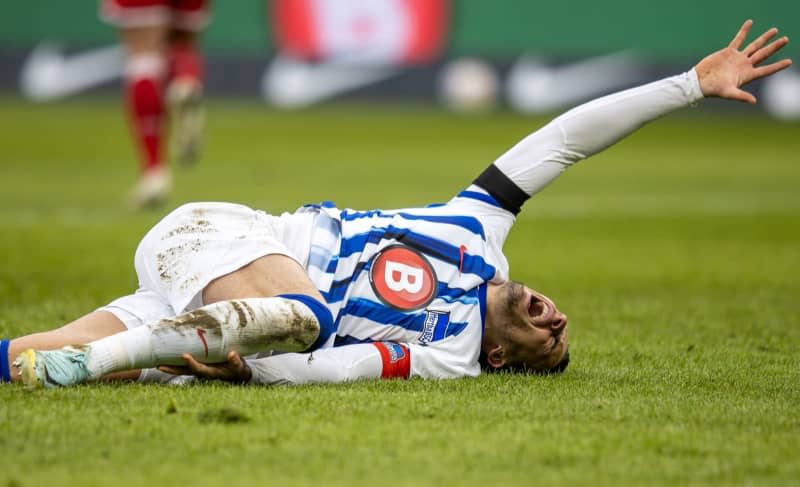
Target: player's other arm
(588,129)
(379,360)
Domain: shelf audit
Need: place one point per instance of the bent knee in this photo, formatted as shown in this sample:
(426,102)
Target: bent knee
(323,315)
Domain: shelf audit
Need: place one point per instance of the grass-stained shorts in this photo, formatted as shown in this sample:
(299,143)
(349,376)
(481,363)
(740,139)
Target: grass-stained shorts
(199,242)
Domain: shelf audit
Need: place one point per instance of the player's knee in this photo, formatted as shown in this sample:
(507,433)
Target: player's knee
(145,64)
(323,315)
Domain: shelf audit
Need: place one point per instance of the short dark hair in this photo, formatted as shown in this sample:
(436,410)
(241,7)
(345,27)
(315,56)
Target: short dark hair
(523,368)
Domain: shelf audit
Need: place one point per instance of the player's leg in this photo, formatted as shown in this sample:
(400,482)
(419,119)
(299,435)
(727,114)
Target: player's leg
(88,328)
(270,275)
(143,26)
(184,94)
(122,314)
(145,72)
(269,304)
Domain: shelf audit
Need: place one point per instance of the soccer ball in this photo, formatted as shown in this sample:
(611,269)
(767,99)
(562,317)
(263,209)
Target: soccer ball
(781,94)
(469,85)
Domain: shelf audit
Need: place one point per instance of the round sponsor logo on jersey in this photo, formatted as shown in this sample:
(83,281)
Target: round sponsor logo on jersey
(402,278)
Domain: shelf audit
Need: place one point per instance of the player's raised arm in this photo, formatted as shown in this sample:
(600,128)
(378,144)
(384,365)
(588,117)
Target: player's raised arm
(723,73)
(587,129)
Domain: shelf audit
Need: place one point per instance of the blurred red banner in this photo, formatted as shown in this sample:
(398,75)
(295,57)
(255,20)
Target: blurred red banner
(361,32)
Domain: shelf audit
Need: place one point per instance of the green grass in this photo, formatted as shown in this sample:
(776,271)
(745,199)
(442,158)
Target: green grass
(676,255)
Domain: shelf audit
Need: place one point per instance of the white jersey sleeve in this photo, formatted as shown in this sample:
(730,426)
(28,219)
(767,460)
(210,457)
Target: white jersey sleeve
(378,360)
(581,132)
(327,365)
(496,221)
(445,360)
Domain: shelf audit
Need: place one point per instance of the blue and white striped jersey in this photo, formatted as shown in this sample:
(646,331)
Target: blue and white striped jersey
(416,276)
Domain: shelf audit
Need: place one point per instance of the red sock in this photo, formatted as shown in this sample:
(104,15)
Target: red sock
(185,61)
(146,107)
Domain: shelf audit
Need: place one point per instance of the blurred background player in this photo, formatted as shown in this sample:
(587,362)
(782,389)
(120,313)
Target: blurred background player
(163,74)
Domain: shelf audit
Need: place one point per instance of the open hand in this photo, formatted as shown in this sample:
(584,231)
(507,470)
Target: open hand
(724,72)
(235,370)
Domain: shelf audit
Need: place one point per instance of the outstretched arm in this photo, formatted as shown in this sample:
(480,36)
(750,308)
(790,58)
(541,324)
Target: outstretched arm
(723,73)
(588,129)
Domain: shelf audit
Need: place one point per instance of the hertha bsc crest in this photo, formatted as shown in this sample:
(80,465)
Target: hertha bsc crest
(402,278)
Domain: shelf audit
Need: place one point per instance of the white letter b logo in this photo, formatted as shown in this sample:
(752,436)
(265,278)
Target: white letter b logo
(402,278)
(410,277)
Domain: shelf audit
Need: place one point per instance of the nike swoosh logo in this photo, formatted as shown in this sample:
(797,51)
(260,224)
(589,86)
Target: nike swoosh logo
(48,74)
(289,83)
(202,334)
(534,87)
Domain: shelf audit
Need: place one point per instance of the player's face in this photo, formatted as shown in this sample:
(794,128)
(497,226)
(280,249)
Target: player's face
(536,326)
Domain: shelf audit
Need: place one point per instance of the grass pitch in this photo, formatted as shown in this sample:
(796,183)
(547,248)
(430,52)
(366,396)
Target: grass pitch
(676,255)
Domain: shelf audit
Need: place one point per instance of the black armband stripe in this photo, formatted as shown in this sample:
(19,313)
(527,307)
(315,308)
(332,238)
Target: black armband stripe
(502,188)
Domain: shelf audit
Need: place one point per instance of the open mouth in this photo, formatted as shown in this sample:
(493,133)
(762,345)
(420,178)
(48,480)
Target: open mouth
(539,309)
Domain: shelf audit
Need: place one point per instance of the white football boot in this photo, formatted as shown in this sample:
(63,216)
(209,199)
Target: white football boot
(152,189)
(184,96)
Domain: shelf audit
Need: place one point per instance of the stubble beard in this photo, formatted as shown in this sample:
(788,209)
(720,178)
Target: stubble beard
(513,293)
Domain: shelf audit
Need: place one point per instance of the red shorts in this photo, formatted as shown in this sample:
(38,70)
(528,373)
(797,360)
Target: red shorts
(190,15)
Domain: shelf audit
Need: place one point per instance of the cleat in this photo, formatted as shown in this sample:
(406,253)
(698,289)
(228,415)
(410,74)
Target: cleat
(26,363)
(184,96)
(52,368)
(151,191)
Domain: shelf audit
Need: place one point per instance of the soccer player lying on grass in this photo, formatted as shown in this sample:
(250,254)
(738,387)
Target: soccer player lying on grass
(330,295)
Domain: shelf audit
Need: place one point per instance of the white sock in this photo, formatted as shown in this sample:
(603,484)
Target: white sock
(208,334)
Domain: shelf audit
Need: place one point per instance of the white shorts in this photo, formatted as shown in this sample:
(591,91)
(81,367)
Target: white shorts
(199,242)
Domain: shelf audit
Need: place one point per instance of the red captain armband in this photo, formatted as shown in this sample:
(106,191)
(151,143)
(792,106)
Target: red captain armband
(396,360)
